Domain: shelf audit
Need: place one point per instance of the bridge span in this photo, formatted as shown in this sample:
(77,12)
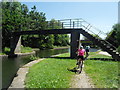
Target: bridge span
(75,27)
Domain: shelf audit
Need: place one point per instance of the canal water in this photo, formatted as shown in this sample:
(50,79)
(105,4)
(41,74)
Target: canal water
(11,65)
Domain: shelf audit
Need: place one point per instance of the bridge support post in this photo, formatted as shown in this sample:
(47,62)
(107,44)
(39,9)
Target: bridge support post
(15,45)
(75,36)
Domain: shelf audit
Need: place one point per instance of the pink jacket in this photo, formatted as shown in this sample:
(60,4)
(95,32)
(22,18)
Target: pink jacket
(81,52)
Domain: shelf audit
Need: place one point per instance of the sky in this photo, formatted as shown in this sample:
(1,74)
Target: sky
(102,15)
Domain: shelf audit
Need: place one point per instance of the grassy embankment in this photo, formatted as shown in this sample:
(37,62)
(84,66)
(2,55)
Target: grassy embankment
(60,47)
(23,50)
(52,72)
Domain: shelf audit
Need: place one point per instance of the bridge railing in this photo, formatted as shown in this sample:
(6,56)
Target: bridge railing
(76,24)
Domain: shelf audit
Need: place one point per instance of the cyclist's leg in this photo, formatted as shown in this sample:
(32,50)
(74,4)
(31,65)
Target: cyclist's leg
(77,63)
(77,60)
(87,54)
(81,64)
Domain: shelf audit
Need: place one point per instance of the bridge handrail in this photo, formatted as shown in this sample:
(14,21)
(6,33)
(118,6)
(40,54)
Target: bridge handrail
(80,23)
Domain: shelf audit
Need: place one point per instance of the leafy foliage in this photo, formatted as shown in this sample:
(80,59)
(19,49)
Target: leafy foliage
(16,17)
(118,49)
(116,28)
(11,20)
(114,35)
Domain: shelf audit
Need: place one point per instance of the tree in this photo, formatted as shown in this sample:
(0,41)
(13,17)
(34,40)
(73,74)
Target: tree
(116,28)
(59,40)
(11,20)
(114,36)
(16,17)
(25,18)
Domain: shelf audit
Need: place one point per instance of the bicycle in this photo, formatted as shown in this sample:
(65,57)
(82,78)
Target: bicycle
(80,65)
(77,69)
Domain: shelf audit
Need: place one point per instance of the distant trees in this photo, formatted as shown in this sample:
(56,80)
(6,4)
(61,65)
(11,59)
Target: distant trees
(114,35)
(16,17)
(59,39)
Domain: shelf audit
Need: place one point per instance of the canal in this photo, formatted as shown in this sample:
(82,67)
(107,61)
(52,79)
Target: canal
(11,65)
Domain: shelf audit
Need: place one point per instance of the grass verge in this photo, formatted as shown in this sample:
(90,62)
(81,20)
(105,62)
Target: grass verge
(104,74)
(23,50)
(58,47)
(26,49)
(97,55)
(50,73)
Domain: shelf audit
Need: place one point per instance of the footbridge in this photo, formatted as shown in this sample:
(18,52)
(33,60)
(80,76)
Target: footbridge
(75,27)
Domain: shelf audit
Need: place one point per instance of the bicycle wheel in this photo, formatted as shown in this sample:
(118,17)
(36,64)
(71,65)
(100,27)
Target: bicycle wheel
(79,70)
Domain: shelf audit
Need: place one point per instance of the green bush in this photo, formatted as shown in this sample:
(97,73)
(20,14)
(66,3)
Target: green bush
(6,50)
(118,49)
(32,57)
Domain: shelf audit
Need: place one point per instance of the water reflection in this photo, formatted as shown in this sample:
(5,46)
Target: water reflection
(11,65)
(48,53)
(9,68)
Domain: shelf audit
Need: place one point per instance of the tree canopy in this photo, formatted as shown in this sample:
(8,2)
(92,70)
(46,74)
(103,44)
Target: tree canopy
(17,17)
(114,36)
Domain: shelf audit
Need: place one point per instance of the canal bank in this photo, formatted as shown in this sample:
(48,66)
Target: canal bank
(44,76)
(24,69)
(19,80)
(11,65)
(19,54)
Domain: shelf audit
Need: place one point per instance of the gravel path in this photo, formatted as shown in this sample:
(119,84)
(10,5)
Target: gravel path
(81,81)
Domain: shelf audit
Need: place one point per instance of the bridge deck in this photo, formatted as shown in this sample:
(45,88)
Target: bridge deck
(51,31)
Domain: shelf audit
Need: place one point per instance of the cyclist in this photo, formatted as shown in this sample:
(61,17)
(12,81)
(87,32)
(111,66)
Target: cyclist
(80,59)
(87,50)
